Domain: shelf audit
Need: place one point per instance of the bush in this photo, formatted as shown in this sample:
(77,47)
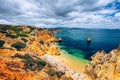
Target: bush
(21,34)
(52,72)
(2,31)
(30,63)
(31,29)
(15,28)
(10,35)
(2,43)
(19,45)
(59,74)
(40,62)
(41,42)
(17,55)
(25,40)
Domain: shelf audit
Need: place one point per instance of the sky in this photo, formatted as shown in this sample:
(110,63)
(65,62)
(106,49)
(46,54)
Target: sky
(61,13)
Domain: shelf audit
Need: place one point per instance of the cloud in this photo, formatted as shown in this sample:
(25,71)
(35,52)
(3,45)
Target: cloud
(47,13)
(6,22)
(117,14)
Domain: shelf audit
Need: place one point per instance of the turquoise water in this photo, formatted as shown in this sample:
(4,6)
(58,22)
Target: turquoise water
(74,41)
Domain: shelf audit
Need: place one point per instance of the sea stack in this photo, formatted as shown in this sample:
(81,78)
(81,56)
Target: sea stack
(89,39)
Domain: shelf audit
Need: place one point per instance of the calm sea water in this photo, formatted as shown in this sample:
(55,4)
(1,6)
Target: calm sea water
(74,41)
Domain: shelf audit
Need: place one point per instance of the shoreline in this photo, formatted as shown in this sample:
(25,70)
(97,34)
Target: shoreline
(75,63)
(61,66)
(72,62)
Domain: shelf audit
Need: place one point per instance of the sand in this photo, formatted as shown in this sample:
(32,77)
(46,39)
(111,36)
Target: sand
(76,64)
(61,66)
(68,64)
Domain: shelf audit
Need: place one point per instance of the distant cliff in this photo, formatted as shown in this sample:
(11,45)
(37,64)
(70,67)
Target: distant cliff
(105,66)
(17,44)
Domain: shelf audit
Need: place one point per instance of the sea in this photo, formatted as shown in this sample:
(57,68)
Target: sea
(74,41)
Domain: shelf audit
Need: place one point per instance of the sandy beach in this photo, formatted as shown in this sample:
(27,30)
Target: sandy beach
(72,63)
(60,63)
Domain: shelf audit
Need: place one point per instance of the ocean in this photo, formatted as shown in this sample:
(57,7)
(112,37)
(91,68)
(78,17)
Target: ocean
(74,41)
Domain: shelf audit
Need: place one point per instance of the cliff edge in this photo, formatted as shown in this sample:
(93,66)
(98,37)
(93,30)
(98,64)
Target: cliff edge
(105,66)
(18,44)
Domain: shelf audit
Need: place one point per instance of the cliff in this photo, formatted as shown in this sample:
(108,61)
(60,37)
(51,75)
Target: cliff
(18,44)
(105,66)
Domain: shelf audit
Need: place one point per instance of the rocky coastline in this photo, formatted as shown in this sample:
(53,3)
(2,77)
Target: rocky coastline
(17,44)
(105,66)
(28,53)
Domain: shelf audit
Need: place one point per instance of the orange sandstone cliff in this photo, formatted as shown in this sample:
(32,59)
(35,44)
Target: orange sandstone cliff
(17,43)
(105,66)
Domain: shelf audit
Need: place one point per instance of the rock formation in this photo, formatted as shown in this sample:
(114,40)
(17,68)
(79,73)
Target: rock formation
(17,45)
(105,66)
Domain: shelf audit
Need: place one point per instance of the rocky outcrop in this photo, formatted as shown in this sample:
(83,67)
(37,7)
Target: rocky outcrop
(39,41)
(105,66)
(16,62)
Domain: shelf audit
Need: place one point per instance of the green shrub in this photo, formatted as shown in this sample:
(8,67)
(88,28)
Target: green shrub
(4,28)
(15,28)
(2,43)
(17,55)
(19,45)
(31,29)
(59,74)
(52,72)
(40,62)
(30,63)
(25,40)
(2,31)
(41,42)
(21,34)
(10,35)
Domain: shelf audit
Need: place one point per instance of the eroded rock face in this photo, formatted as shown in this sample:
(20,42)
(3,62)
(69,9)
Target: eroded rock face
(37,41)
(33,36)
(105,66)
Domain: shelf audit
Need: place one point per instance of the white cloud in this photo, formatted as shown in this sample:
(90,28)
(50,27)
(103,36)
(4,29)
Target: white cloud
(106,11)
(103,2)
(47,13)
(6,22)
(117,14)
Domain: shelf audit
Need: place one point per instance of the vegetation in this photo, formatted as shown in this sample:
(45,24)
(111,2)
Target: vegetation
(25,40)
(2,43)
(31,28)
(52,72)
(10,35)
(41,42)
(13,31)
(18,45)
(30,63)
(4,27)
